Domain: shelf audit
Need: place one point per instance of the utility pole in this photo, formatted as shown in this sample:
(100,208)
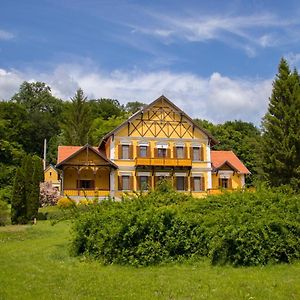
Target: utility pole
(45,153)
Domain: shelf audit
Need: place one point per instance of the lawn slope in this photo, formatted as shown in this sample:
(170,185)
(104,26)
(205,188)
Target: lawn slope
(35,264)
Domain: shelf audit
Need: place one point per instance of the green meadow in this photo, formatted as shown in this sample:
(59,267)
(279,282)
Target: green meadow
(35,264)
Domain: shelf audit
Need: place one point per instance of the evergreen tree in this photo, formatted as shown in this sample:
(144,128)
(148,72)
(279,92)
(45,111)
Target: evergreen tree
(281,135)
(33,194)
(26,190)
(18,200)
(77,121)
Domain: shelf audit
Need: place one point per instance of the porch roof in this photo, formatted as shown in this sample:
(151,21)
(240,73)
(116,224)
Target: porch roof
(67,152)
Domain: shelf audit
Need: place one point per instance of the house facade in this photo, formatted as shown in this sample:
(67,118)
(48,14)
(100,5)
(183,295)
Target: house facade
(159,141)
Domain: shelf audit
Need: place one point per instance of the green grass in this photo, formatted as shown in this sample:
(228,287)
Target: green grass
(35,264)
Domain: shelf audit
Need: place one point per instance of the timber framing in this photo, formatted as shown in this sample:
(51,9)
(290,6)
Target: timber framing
(156,114)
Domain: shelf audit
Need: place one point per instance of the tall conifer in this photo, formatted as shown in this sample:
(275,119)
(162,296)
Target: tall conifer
(281,134)
(77,121)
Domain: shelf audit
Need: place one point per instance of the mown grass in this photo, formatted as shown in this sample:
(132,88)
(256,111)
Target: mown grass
(35,264)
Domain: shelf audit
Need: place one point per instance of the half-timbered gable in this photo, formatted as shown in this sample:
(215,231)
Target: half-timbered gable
(159,141)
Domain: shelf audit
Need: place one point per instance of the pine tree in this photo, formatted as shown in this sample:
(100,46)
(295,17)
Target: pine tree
(281,135)
(77,120)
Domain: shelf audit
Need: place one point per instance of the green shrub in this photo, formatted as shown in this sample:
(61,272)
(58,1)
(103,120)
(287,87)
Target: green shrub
(162,226)
(66,202)
(3,213)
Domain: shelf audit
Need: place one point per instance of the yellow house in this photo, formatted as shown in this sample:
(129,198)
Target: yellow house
(159,141)
(51,175)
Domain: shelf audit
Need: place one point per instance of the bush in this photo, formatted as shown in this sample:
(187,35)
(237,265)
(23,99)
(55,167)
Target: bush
(48,194)
(3,213)
(66,203)
(162,226)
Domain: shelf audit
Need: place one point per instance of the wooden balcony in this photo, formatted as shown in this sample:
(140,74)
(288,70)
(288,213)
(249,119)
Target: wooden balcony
(163,161)
(86,192)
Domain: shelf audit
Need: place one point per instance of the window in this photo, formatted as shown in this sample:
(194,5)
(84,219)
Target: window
(86,184)
(179,152)
(125,182)
(224,183)
(143,151)
(196,153)
(161,152)
(180,183)
(198,184)
(50,173)
(125,151)
(143,182)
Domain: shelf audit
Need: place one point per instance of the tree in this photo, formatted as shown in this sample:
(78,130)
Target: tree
(26,190)
(100,127)
(281,135)
(106,108)
(42,112)
(18,201)
(133,107)
(77,120)
(240,137)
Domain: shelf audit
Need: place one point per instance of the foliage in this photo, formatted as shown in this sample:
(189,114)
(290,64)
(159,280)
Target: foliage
(42,112)
(66,202)
(106,108)
(242,229)
(100,127)
(40,253)
(133,107)
(48,194)
(77,120)
(3,213)
(242,138)
(281,138)
(25,194)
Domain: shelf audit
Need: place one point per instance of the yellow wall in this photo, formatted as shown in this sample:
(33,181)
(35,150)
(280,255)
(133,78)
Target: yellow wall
(236,181)
(71,176)
(50,175)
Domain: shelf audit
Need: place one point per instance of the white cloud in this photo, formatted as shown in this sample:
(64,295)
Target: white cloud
(6,35)
(246,32)
(216,98)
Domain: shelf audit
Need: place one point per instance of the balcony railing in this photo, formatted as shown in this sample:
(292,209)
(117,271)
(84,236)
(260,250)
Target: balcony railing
(86,192)
(163,161)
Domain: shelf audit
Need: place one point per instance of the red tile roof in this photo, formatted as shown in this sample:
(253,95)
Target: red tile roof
(219,158)
(65,151)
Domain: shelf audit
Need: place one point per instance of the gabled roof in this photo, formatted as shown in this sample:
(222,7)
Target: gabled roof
(65,153)
(147,107)
(221,158)
(50,167)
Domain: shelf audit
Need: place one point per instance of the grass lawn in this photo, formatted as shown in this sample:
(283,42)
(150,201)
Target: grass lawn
(35,264)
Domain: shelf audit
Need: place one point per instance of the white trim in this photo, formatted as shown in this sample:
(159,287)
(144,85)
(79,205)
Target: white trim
(112,183)
(242,180)
(180,144)
(226,172)
(125,142)
(162,146)
(224,176)
(146,144)
(112,150)
(197,175)
(180,174)
(121,173)
(162,174)
(143,173)
(209,180)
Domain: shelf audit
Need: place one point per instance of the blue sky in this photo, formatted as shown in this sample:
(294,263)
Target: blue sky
(215,59)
